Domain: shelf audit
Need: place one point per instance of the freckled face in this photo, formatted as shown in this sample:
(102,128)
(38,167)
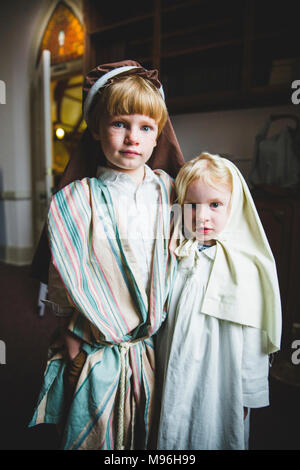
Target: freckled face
(128,140)
(206,210)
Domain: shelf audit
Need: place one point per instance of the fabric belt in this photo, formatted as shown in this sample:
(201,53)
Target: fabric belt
(123,348)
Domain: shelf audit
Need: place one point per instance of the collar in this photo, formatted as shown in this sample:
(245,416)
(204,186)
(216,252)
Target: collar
(108,175)
(202,247)
(188,247)
(210,252)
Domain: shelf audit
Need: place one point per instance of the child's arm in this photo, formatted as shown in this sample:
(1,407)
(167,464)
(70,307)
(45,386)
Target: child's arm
(255,369)
(60,305)
(73,345)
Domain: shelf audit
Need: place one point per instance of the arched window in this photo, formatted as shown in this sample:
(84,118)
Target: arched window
(64,36)
(57,111)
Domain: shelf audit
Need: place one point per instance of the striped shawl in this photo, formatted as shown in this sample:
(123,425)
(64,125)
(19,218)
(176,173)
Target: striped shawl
(116,319)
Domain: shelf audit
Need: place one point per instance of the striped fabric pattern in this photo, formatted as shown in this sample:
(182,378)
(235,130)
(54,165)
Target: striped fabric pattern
(98,271)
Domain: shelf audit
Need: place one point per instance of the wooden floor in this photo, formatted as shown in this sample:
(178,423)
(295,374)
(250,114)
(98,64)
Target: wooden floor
(27,336)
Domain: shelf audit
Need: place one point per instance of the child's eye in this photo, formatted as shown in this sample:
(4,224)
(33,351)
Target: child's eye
(118,124)
(215,204)
(146,128)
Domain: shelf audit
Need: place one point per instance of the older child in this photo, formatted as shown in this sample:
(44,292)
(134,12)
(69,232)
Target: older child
(116,277)
(224,316)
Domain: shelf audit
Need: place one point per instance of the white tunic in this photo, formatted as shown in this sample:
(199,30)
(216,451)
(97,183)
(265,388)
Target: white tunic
(209,369)
(136,210)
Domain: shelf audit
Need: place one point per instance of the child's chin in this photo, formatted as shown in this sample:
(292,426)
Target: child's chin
(204,240)
(200,235)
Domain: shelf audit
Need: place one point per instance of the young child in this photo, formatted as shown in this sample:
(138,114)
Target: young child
(111,268)
(224,316)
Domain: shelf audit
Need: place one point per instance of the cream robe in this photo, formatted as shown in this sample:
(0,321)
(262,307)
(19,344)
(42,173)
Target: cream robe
(224,318)
(210,369)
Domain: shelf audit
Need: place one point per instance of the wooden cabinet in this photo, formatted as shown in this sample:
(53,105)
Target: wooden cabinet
(280,216)
(211,55)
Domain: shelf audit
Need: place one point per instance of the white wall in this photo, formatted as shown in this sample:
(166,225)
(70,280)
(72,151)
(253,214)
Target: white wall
(21,28)
(17,23)
(230,132)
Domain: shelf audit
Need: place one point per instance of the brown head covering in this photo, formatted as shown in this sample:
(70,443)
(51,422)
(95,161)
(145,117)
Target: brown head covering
(84,162)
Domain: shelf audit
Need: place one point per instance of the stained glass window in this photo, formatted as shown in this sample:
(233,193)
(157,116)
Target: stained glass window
(67,120)
(64,36)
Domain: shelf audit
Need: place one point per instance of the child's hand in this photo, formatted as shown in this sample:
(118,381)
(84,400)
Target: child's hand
(245,412)
(73,345)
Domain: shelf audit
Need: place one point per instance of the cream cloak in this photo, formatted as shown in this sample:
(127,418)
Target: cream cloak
(243,285)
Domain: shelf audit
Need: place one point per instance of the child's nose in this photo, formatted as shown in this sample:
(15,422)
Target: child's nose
(202,213)
(132,136)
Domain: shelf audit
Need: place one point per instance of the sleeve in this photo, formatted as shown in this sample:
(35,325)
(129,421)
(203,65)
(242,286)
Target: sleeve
(255,368)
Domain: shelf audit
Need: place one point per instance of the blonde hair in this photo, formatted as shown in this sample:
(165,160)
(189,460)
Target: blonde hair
(129,95)
(210,169)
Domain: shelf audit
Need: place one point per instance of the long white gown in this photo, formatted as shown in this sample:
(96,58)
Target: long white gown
(208,369)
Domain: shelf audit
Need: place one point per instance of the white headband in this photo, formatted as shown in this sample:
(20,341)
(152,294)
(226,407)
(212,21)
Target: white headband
(102,81)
